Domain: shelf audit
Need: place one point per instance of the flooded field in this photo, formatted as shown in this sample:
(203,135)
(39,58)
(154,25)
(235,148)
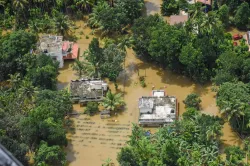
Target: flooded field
(94,139)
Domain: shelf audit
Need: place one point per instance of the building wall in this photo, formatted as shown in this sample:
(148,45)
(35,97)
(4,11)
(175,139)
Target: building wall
(59,57)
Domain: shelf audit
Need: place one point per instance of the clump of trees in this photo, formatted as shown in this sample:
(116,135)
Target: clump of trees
(192,101)
(193,49)
(172,7)
(14,46)
(31,113)
(232,66)
(50,155)
(234,13)
(91,108)
(101,62)
(233,101)
(115,18)
(194,140)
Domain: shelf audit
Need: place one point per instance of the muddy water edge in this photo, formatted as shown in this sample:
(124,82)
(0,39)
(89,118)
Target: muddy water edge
(93,139)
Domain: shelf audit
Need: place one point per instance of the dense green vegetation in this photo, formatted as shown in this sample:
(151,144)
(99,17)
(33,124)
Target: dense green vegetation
(32,115)
(192,101)
(194,49)
(32,112)
(91,108)
(238,11)
(233,101)
(195,140)
(101,62)
(112,101)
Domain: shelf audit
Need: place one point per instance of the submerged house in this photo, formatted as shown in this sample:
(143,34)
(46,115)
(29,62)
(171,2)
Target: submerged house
(157,110)
(85,90)
(58,49)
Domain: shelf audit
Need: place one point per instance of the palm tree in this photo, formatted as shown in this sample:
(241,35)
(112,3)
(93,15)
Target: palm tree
(113,101)
(108,162)
(15,81)
(19,4)
(78,67)
(214,132)
(27,90)
(2,3)
(94,17)
(234,109)
(85,4)
(62,25)
(34,26)
(86,68)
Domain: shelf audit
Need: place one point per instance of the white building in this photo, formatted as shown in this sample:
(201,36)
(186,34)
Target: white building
(58,49)
(157,110)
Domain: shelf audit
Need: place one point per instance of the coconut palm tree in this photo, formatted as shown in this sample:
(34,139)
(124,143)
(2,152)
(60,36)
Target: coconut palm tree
(113,101)
(108,162)
(62,25)
(235,109)
(15,81)
(19,4)
(214,132)
(78,67)
(2,3)
(85,68)
(27,90)
(34,26)
(94,17)
(86,5)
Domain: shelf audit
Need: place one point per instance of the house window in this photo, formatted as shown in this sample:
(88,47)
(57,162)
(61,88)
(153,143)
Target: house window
(172,111)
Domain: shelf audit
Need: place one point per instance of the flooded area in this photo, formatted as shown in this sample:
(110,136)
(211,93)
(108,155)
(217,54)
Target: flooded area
(153,6)
(94,139)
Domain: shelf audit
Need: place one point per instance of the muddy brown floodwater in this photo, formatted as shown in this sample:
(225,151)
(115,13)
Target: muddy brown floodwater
(94,139)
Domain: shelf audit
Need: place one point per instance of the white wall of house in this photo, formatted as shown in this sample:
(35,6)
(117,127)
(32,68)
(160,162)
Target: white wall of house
(59,57)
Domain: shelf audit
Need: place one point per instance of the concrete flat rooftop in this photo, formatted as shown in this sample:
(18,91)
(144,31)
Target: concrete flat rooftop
(157,108)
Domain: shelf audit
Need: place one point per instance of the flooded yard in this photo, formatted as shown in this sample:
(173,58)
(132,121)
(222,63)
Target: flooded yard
(95,139)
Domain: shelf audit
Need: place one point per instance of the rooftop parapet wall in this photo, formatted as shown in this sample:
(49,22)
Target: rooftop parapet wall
(88,89)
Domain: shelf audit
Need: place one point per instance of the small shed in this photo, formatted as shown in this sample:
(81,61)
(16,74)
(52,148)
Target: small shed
(105,114)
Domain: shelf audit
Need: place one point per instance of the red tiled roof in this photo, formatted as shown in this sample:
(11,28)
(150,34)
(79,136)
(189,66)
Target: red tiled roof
(74,52)
(65,46)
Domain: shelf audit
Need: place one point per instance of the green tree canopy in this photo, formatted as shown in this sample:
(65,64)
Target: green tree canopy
(91,108)
(50,155)
(223,15)
(113,101)
(233,101)
(192,141)
(13,47)
(169,7)
(192,100)
(241,18)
